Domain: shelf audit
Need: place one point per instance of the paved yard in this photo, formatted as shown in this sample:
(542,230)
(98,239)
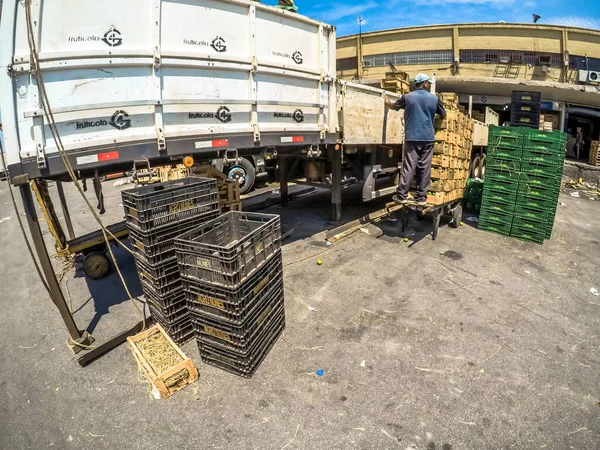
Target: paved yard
(493,344)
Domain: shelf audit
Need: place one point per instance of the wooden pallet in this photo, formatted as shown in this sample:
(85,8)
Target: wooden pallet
(167,383)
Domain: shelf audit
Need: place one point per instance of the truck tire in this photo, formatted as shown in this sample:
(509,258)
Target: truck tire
(244,174)
(482,167)
(475,167)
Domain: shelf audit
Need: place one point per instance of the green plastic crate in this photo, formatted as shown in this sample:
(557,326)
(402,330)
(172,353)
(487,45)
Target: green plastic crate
(549,181)
(528,235)
(540,204)
(496,215)
(496,206)
(554,170)
(503,153)
(530,225)
(473,190)
(503,177)
(536,160)
(544,148)
(544,136)
(539,192)
(494,227)
(503,165)
(505,141)
(529,214)
(506,131)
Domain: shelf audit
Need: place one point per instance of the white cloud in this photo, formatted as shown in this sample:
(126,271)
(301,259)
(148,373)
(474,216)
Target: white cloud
(336,12)
(573,21)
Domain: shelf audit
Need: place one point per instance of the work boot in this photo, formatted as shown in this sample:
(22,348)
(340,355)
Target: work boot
(400,201)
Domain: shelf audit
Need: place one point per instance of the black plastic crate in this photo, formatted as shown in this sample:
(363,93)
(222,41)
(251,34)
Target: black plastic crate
(526,97)
(200,304)
(176,310)
(231,303)
(158,204)
(161,238)
(522,119)
(526,107)
(165,291)
(243,364)
(210,328)
(160,274)
(155,271)
(228,249)
(163,300)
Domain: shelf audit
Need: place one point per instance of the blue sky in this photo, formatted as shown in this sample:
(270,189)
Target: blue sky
(383,14)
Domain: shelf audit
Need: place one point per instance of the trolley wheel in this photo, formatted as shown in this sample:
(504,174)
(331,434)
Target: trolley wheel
(482,167)
(96,265)
(456,216)
(437,216)
(475,167)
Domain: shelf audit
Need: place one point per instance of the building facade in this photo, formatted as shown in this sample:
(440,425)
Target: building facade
(485,62)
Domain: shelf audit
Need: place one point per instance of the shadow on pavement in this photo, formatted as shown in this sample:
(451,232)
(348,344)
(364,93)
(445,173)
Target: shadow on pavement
(109,291)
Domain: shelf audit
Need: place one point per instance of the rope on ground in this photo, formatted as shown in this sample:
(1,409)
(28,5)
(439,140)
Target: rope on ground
(345,238)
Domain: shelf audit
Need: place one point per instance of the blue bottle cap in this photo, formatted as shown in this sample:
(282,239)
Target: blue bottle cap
(320,372)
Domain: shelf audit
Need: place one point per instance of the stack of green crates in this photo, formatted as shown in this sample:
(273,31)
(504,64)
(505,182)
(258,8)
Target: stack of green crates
(541,172)
(501,186)
(473,194)
(522,183)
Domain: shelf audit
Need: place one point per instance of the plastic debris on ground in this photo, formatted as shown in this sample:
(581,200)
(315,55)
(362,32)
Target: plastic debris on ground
(123,182)
(310,308)
(320,372)
(594,291)
(575,194)
(563,204)
(5,219)
(472,219)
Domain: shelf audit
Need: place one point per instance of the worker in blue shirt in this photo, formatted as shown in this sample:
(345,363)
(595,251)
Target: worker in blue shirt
(420,108)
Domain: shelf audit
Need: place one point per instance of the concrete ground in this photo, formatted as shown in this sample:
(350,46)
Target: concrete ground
(493,344)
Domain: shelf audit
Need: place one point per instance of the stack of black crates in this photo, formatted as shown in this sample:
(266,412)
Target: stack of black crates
(156,215)
(525,109)
(233,276)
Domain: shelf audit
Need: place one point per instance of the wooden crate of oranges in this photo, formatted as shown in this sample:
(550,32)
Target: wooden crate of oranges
(451,154)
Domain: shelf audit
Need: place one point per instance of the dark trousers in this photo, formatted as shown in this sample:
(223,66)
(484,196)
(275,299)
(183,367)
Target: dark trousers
(417,160)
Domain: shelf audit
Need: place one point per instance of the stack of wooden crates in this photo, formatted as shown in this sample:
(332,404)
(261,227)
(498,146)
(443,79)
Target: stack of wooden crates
(397,82)
(452,153)
(595,153)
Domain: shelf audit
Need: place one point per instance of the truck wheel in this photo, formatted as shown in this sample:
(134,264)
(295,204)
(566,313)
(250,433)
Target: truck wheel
(244,174)
(475,167)
(482,167)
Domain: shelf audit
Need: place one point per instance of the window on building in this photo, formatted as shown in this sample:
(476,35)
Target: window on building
(514,57)
(409,58)
(347,63)
(583,63)
(491,58)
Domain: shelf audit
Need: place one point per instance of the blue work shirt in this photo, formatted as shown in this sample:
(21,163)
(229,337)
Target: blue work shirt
(420,108)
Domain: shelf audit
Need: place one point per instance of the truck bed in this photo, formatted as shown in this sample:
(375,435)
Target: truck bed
(156,80)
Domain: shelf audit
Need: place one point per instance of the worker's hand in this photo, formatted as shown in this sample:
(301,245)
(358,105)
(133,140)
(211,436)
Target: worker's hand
(388,102)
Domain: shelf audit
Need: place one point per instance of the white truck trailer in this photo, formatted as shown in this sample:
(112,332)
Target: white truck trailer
(97,87)
(162,80)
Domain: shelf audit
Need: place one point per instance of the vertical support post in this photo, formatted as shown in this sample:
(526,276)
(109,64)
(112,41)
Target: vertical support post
(336,183)
(283,184)
(65,209)
(470,106)
(563,117)
(45,263)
